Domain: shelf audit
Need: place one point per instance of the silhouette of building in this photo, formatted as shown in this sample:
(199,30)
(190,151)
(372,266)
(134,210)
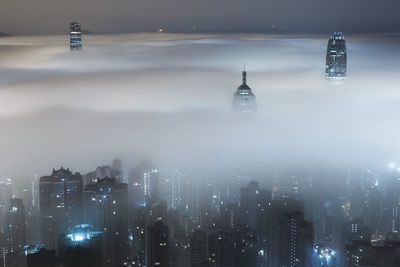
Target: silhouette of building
(75,36)
(244,101)
(246,248)
(221,248)
(336,57)
(198,249)
(254,204)
(80,257)
(230,216)
(296,240)
(42,258)
(116,170)
(144,184)
(157,242)
(5,196)
(106,208)
(16,225)
(237,248)
(103,172)
(82,247)
(60,198)
(359,253)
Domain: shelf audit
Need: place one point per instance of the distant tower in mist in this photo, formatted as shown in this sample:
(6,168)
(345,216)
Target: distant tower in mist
(75,36)
(244,101)
(336,57)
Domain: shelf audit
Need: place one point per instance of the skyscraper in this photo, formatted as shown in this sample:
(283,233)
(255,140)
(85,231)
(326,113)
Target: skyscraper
(5,195)
(246,247)
(16,225)
(60,198)
(75,36)
(144,184)
(249,199)
(42,258)
(296,240)
(106,208)
(244,101)
(336,57)
(83,236)
(198,249)
(116,170)
(157,251)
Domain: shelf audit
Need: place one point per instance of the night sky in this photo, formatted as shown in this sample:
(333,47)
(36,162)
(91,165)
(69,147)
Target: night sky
(101,16)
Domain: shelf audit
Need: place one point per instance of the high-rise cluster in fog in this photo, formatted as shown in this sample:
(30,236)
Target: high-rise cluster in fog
(158,217)
(185,219)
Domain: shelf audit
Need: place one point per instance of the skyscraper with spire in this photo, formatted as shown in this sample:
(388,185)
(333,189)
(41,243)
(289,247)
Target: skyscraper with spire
(244,100)
(336,57)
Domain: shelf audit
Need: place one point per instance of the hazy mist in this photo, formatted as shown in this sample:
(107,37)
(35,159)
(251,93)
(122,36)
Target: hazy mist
(168,98)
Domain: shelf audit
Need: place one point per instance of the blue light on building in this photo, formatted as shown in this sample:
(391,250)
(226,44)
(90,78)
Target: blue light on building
(324,256)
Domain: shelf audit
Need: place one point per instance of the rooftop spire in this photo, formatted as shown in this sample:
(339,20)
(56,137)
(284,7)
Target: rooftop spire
(244,74)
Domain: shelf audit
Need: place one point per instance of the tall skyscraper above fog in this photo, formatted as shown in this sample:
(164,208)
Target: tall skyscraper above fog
(60,200)
(244,101)
(336,57)
(75,36)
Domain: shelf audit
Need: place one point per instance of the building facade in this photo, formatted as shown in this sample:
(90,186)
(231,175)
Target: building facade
(75,36)
(336,57)
(106,208)
(61,203)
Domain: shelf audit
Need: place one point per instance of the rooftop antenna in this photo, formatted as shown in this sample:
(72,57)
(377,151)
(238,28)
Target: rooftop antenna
(244,74)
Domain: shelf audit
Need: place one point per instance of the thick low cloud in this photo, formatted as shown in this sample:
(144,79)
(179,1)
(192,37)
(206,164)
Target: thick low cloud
(168,98)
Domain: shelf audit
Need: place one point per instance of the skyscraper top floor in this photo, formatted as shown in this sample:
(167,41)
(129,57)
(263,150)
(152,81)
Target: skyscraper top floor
(75,27)
(337,36)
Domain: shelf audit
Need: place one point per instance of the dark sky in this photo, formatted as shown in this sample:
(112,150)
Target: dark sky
(52,16)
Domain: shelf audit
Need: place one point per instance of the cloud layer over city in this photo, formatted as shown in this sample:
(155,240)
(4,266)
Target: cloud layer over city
(168,98)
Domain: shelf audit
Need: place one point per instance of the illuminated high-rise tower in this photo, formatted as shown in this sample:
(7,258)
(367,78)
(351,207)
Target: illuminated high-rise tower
(75,36)
(16,222)
(336,57)
(60,201)
(106,208)
(244,101)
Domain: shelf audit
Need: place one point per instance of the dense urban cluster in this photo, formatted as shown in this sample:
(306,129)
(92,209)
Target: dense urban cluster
(158,217)
(154,217)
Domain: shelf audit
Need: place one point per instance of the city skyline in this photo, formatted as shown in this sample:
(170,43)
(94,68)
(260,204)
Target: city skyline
(188,133)
(345,219)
